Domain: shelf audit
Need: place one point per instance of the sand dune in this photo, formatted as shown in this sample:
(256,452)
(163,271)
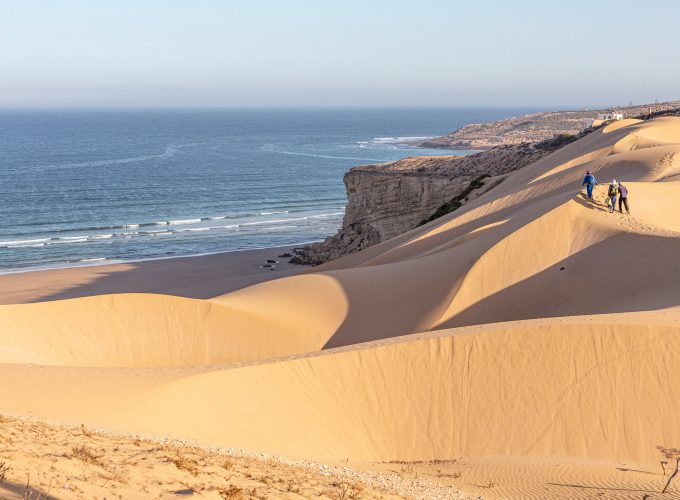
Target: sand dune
(518,388)
(530,323)
(141,330)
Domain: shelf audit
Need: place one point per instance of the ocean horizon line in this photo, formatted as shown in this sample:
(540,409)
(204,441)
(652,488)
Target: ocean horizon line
(321,107)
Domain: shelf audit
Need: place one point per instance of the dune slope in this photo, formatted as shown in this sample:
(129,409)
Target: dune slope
(532,322)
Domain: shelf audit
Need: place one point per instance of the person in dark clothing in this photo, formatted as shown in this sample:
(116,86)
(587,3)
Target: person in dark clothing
(612,192)
(589,181)
(623,198)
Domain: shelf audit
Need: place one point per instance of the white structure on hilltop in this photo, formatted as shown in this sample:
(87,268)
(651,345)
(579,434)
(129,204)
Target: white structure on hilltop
(609,115)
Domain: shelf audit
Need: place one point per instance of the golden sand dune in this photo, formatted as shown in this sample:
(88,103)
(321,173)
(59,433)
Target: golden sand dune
(141,330)
(568,386)
(582,367)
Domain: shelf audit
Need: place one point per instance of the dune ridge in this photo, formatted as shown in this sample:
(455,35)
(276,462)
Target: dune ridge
(432,390)
(529,323)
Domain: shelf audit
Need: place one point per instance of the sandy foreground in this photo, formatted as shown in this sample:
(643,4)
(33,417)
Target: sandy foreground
(82,463)
(525,346)
(51,461)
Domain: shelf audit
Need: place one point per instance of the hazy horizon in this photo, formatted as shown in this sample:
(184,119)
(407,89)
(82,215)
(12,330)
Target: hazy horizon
(312,107)
(267,54)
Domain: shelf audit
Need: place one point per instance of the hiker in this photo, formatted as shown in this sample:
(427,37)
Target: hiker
(589,181)
(611,193)
(623,198)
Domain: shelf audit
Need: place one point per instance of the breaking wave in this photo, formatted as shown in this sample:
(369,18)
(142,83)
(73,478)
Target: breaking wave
(145,230)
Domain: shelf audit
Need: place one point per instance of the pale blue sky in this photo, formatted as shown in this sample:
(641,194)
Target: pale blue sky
(337,53)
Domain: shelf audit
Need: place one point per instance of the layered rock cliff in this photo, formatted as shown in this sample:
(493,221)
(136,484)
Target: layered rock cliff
(389,199)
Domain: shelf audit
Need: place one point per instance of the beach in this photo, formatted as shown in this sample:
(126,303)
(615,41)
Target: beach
(198,277)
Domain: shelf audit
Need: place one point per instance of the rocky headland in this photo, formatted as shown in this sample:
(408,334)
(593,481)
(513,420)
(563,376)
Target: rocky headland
(388,199)
(533,127)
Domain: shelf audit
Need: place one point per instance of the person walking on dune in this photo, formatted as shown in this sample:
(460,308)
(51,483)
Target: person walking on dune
(589,181)
(612,192)
(623,198)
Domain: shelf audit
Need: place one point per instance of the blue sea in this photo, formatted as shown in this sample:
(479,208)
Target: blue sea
(93,187)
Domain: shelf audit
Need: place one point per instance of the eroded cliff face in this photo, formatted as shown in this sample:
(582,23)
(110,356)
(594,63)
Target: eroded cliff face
(383,203)
(386,200)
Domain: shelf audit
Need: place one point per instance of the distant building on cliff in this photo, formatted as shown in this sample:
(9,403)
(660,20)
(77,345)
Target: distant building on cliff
(603,118)
(609,116)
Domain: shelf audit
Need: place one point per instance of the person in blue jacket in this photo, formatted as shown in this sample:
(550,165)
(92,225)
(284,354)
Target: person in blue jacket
(589,181)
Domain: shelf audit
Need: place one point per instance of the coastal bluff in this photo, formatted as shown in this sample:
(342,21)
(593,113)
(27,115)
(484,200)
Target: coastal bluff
(388,199)
(534,127)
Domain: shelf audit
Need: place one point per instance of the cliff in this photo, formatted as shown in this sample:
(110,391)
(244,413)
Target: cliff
(386,200)
(389,199)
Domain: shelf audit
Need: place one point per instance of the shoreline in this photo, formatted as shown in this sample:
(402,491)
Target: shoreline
(96,262)
(196,276)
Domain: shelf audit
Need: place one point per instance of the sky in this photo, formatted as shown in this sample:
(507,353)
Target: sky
(263,53)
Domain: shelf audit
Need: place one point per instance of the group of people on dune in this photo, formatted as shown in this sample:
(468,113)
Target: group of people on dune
(616,189)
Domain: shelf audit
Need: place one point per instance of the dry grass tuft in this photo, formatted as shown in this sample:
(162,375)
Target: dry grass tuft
(30,494)
(232,492)
(345,491)
(291,487)
(4,469)
(452,475)
(87,455)
(184,464)
(113,476)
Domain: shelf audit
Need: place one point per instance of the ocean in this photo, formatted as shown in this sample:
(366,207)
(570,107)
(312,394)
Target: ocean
(93,187)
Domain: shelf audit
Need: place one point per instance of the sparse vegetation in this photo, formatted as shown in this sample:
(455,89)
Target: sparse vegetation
(656,114)
(537,126)
(559,141)
(4,469)
(87,455)
(125,466)
(457,201)
(407,468)
(231,492)
(292,487)
(184,464)
(345,491)
(525,154)
(452,475)
(29,494)
(669,454)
